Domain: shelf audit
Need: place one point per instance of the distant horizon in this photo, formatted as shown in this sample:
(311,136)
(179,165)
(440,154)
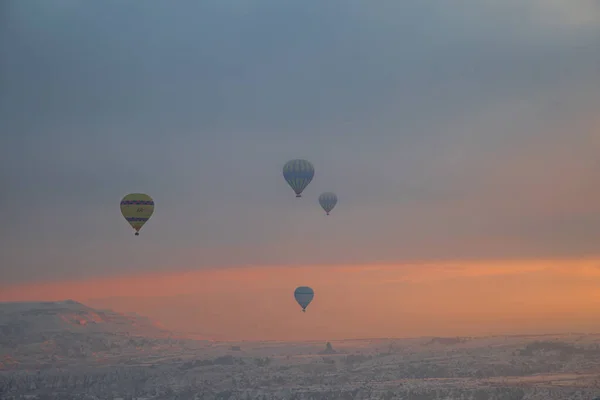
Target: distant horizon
(189,335)
(429,300)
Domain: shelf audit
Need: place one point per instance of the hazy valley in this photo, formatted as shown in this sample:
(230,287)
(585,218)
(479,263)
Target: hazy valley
(66,350)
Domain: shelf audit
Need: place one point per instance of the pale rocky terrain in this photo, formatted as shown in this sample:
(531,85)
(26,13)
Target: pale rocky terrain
(66,350)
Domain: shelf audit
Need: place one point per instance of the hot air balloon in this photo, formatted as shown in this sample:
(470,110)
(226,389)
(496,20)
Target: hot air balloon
(304,296)
(298,174)
(328,200)
(137,208)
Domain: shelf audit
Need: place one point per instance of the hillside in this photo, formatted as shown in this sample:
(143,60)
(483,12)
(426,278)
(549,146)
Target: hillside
(22,320)
(44,334)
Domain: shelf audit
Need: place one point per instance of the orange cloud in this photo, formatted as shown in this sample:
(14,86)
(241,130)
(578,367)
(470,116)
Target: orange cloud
(460,298)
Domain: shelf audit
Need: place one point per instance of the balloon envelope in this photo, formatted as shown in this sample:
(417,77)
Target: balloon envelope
(137,208)
(328,201)
(298,174)
(304,296)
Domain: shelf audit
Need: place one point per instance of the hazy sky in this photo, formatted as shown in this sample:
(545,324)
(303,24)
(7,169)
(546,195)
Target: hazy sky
(449,130)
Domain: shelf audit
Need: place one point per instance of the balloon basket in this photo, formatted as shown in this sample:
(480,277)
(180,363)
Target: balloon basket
(137,234)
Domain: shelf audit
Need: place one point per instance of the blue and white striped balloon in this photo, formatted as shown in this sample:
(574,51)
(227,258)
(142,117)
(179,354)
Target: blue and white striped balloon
(298,174)
(328,200)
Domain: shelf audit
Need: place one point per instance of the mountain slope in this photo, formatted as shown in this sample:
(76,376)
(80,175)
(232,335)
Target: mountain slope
(50,334)
(33,318)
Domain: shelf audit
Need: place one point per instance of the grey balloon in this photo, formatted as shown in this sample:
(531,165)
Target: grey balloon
(304,295)
(328,201)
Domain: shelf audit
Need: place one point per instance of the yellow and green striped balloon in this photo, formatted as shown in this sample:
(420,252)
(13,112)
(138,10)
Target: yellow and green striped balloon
(137,208)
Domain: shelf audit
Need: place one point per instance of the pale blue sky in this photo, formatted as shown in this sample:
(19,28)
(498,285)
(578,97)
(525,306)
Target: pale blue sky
(449,130)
